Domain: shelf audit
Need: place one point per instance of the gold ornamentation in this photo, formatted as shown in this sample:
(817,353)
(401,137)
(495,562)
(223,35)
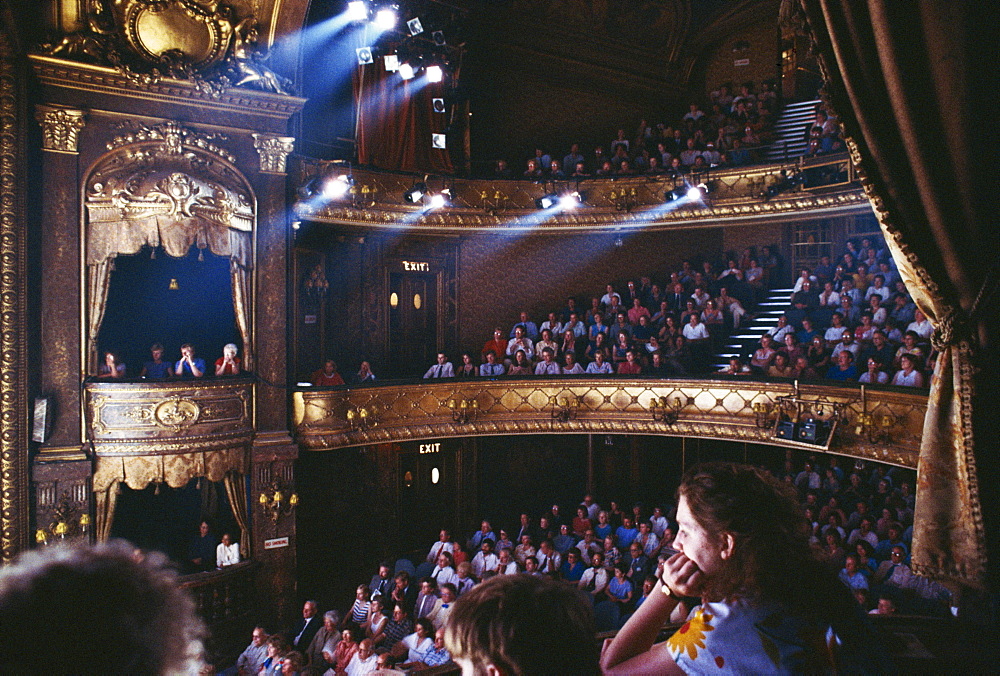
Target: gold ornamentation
(176,413)
(60,127)
(139,414)
(173,137)
(273,150)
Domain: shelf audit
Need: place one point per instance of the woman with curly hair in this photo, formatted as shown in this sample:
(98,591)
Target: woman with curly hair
(734,523)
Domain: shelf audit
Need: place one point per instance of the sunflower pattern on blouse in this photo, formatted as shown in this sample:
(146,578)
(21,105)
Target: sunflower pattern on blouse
(691,636)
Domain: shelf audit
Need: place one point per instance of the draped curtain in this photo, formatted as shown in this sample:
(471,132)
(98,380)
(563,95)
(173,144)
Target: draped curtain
(236,491)
(395,120)
(911,83)
(98,282)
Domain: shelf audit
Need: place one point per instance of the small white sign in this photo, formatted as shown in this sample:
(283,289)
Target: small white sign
(276,543)
(741,62)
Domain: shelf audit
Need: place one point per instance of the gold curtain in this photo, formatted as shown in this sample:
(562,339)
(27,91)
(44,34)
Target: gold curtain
(236,491)
(98,280)
(239,272)
(904,79)
(106,500)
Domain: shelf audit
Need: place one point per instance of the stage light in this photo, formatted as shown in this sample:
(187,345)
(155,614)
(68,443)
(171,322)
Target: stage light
(438,37)
(357,11)
(438,105)
(391,63)
(364,55)
(693,193)
(337,187)
(296,225)
(416,193)
(570,201)
(675,194)
(439,141)
(406,71)
(435,74)
(440,199)
(415,27)
(385,18)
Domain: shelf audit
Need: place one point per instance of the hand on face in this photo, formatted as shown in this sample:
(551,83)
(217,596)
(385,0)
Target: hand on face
(683,576)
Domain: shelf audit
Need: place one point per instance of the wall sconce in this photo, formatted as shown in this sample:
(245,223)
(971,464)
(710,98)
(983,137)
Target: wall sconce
(361,418)
(875,427)
(564,408)
(463,410)
(274,504)
(65,525)
(625,201)
(492,205)
(763,412)
(666,411)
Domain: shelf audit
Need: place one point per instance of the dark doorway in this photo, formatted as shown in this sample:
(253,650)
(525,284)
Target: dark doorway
(427,486)
(413,339)
(171,301)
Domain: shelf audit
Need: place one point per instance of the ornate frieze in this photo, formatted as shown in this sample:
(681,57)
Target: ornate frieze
(716,409)
(273,151)
(60,127)
(166,418)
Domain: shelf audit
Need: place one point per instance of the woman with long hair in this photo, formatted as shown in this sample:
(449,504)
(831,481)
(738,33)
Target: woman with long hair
(734,524)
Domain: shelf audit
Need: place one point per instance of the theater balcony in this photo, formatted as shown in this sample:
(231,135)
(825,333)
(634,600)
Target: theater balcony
(882,424)
(336,193)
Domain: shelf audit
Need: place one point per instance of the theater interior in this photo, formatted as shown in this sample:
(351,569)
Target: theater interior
(194,172)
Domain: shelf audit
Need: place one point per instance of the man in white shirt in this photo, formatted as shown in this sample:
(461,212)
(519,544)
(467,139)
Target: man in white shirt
(548,559)
(552,324)
(595,578)
(364,660)
(442,369)
(507,565)
(921,325)
(252,659)
(593,509)
(443,544)
(448,595)
(779,331)
(520,342)
(548,366)
(485,560)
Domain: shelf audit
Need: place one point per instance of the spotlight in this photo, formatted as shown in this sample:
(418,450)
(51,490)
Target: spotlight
(435,74)
(385,19)
(439,141)
(416,193)
(570,201)
(440,199)
(438,105)
(364,55)
(357,11)
(391,63)
(336,188)
(694,193)
(547,201)
(406,71)
(415,27)
(438,37)
(675,194)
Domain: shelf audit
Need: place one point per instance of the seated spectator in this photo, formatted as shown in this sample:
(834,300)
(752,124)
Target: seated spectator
(490,367)
(851,576)
(524,549)
(327,376)
(157,369)
(846,344)
(547,366)
(485,532)
(277,648)
(908,375)
(498,345)
(396,628)
(442,369)
(599,365)
(921,326)
(572,568)
(911,348)
(228,364)
(189,366)
(521,366)
(344,652)
(506,564)
(803,370)
(546,341)
(444,568)
(414,648)
(874,375)
(463,577)
(570,367)
(516,624)
(791,349)
(595,579)
(227,553)
(521,342)
(427,602)
(364,374)
(112,368)
(779,330)
(485,560)
(467,369)
(532,172)
(555,170)
(735,367)
(363,661)
(502,171)
(780,368)
(630,366)
(359,611)
(375,623)
(763,356)
(529,327)
(844,368)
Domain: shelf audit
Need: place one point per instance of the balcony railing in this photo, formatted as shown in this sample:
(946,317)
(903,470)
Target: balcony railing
(882,424)
(826,187)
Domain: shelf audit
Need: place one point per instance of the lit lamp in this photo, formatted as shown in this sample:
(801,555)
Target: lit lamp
(273,502)
(564,408)
(360,418)
(65,525)
(762,412)
(664,410)
(463,410)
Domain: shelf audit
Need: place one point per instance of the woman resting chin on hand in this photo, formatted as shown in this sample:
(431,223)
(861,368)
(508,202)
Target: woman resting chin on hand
(734,522)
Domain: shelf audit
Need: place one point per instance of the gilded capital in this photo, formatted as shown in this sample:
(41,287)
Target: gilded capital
(273,151)
(60,127)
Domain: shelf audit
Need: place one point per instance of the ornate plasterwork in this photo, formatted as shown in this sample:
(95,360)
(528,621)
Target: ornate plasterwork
(722,409)
(172,137)
(60,127)
(201,41)
(273,151)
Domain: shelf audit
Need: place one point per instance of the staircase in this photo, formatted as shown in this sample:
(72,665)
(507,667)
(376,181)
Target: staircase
(790,132)
(746,339)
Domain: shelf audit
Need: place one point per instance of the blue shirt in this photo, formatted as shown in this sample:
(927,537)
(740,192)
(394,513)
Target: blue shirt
(625,537)
(183,370)
(488,369)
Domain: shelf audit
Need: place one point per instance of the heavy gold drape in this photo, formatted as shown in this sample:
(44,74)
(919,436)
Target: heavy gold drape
(236,491)
(138,471)
(907,81)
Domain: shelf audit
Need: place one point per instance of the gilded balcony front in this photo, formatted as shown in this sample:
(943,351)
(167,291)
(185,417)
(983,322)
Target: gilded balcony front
(883,424)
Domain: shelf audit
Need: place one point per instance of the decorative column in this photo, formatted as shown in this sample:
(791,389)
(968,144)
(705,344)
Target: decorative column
(60,285)
(274,452)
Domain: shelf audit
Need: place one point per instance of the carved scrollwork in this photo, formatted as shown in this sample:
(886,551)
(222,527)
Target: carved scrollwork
(176,413)
(60,127)
(273,150)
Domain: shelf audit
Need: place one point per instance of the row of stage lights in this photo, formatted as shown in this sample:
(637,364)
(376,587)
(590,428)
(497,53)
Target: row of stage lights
(384,18)
(339,186)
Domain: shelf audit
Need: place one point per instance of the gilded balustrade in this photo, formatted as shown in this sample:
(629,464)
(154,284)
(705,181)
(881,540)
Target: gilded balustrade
(882,424)
(163,418)
(375,199)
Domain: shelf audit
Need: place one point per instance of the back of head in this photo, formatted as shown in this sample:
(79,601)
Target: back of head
(96,609)
(523,624)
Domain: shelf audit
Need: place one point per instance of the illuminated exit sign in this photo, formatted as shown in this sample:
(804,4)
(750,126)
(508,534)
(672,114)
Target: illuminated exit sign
(416,266)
